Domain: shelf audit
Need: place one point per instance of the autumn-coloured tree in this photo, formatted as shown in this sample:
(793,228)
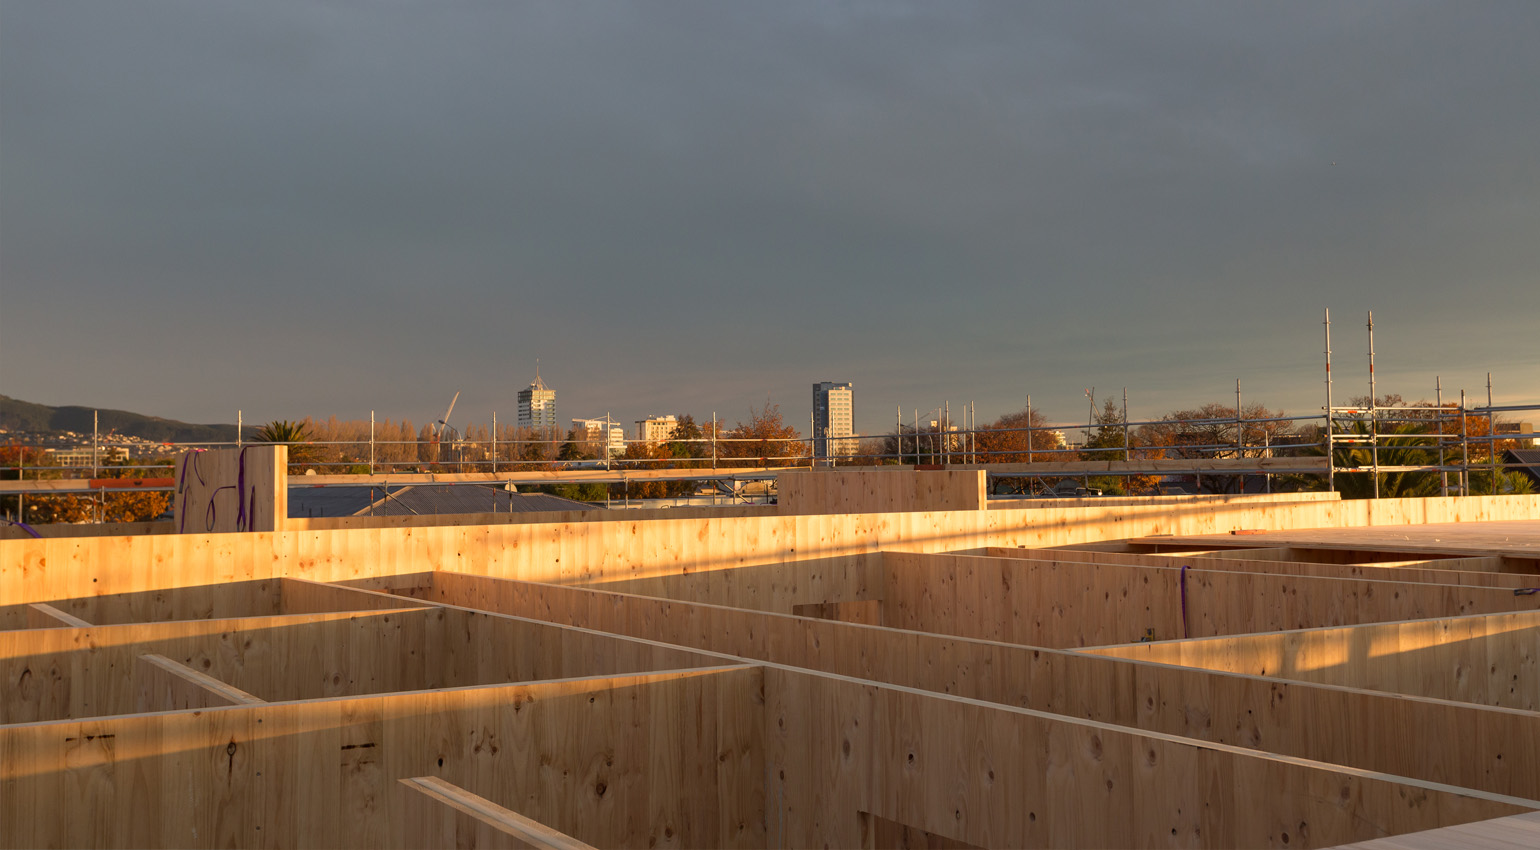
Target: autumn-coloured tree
(1212,431)
(765,439)
(1005,440)
(109,505)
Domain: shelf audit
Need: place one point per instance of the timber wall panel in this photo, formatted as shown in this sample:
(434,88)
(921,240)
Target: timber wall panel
(994,776)
(522,517)
(1239,561)
(1489,660)
(222,490)
(41,570)
(877,490)
(1070,603)
(323,773)
(1244,710)
(74,673)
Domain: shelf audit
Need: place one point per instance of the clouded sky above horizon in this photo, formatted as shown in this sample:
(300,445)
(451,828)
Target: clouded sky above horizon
(304,208)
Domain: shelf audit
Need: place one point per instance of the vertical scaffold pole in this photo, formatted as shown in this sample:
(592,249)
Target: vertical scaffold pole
(1438,402)
(1374,418)
(1491,436)
(1331,455)
(1464,449)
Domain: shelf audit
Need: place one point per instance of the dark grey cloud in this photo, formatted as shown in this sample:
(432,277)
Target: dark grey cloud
(318,208)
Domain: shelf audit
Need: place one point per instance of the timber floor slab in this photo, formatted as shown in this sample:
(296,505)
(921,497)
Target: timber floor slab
(1519,832)
(1515,538)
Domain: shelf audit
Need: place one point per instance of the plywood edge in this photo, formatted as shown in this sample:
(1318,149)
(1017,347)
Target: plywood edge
(168,685)
(41,615)
(523,831)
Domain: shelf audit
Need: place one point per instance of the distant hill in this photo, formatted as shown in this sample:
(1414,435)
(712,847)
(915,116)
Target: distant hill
(18,415)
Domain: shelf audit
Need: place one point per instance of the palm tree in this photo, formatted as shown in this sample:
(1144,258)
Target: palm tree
(282,431)
(1400,444)
(293,434)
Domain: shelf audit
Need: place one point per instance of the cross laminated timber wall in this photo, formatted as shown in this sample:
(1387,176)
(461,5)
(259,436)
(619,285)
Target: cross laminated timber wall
(894,677)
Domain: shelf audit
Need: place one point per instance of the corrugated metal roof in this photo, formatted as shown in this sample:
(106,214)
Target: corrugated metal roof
(421,500)
(1529,458)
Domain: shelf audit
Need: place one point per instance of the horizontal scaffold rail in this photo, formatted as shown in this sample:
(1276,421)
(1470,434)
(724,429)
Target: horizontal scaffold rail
(1151,466)
(1160,466)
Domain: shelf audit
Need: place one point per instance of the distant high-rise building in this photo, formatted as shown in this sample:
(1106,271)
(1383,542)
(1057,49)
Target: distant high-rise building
(655,429)
(594,430)
(537,408)
(833,419)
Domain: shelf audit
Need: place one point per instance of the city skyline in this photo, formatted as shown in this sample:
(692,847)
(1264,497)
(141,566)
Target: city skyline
(294,209)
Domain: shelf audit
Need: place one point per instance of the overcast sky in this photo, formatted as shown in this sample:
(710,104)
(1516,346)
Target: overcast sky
(324,209)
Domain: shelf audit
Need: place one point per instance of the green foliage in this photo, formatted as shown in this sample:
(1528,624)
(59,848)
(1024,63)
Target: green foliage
(1107,443)
(282,431)
(572,449)
(1400,444)
(589,492)
(1109,485)
(1508,483)
(295,434)
(685,441)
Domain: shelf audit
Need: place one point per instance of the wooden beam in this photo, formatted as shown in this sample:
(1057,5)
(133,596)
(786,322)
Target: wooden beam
(541,476)
(165,685)
(442,814)
(43,616)
(86,485)
(1167,466)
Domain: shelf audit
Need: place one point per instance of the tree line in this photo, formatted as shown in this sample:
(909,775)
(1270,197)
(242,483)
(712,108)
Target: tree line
(1419,434)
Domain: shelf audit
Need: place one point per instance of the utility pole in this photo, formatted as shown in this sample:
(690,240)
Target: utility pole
(1029,429)
(1090,417)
